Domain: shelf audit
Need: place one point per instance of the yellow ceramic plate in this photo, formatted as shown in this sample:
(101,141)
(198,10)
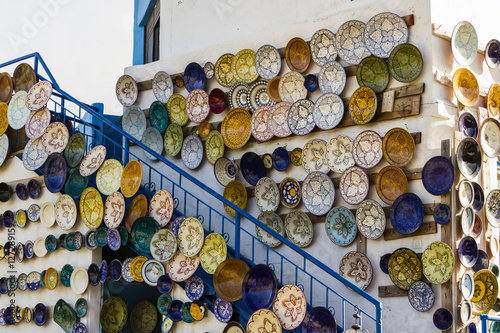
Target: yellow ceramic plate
(466,87)
(213,252)
(223,72)
(236,193)
(398,147)
(235,128)
(91,208)
(4,123)
(363,105)
(204,129)
(136,268)
(214,146)
(243,66)
(51,278)
(296,156)
(138,208)
(131,178)
(492,101)
(176,109)
(486,285)
(109,176)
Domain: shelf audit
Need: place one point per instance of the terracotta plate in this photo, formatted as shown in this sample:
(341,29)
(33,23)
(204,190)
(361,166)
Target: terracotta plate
(391,183)
(297,55)
(398,147)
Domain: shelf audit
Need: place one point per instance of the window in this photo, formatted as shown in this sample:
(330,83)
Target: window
(152,36)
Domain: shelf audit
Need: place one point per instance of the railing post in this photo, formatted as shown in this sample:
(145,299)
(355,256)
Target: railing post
(484,323)
(237,235)
(125,151)
(379,318)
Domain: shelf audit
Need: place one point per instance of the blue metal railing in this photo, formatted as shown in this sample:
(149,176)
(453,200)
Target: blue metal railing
(318,281)
(484,321)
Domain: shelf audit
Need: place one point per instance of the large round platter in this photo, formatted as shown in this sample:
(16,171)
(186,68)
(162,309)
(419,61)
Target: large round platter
(469,158)
(114,210)
(91,208)
(197,107)
(172,142)
(421,296)
(372,72)
(363,105)
(151,271)
(489,137)
(367,149)
(55,172)
(300,118)
(267,195)
(235,128)
(38,95)
(259,288)
(192,151)
(243,66)
(314,156)
(65,211)
(370,219)
(339,153)
(223,73)
(238,95)
(277,119)
(214,146)
(464,43)
(404,268)
(328,111)
(466,87)
(290,306)
(252,168)
(18,112)
(228,279)
(225,170)
(37,122)
(322,46)
(161,207)
(134,122)
(4,147)
(350,42)
(438,175)
(109,176)
(190,237)
(113,315)
(153,140)
(297,55)
(491,54)
(126,90)
(274,222)
(391,183)
(492,210)
(357,268)
(493,99)
(267,62)
(332,78)
(319,319)
(213,252)
(299,228)
(75,150)
(289,192)
(24,77)
(407,213)
(467,251)
(176,109)
(258,124)
(438,262)
(257,96)
(158,116)
(291,87)
(405,63)
(398,147)
(142,232)
(354,185)
(194,77)
(79,280)
(383,32)
(318,193)
(341,226)
(93,161)
(485,285)
(162,86)
(55,138)
(263,320)
(131,179)
(181,268)
(34,155)
(4,122)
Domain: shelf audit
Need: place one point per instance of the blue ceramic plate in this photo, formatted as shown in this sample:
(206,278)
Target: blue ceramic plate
(318,193)
(174,310)
(341,226)
(467,251)
(194,288)
(143,230)
(467,124)
(114,239)
(300,117)
(21,191)
(33,189)
(115,270)
(76,183)
(164,284)
(81,307)
(33,213)
(134,122)
(162,87)
(442,213)
(328,111)
(34,155)
(162,304)
(101,236)
(267,62)
(152,139)
(176,224)
(468,158)
(103,271)
(443,319)
(93,272)
(194,77)
(384,263)
(478,197)
(281,159)
(407,213)
(319,319)
(252,168)
(158,116)
(39,314)
(28,250)
(8,219)
(384,32)
(421,296)
(78,240)
(55,172)
(311,83)
(4,147)
(192,151)
(4,285)
(223,310)
(259,288)
(332,78)
(483,261)
(79,328)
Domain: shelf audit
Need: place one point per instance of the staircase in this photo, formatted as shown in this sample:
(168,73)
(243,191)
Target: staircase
(292,265)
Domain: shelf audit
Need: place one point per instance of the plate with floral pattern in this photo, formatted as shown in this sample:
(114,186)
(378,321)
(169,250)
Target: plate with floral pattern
(109,176)
(332,78)
(291,87)
(290,306)
(289,191)
(18,112)
(363,105)
(300,117)
(162,86)
(350,42)
(223,72)
(314,156)
(190,237)
(161,207)
(322,46)
(258,124)
(318,193)
(370,218)
(4,147)
(263,320)
(257,96)
(357,268)
(267,195)
(223,310)
(404,268)
(267,62)
(299,228)
(297,55)
(192,151)
(273,221)
(91,208)
(180,268)
(354,185)
(126,90)
(398,147)
(464,43)
(194,288)
(421,296)
(213,252)
(466,87)
(328,111)
(391,183)
(153,140)
(372,72)
(341,226)
(438,262)
(197,107)
(214,146)
(339,153)
(55,138)
(176,109)
(134,122)
(163,245)
(493,99)
(235,192)
(174,137)
(66,212)
(243,66)
(383,32)
(142,232)
(405,63)
(37,122)
(194,77)
(235,128)
(114,210)
(38,95)
(93,160)
(367,149)
(277,120)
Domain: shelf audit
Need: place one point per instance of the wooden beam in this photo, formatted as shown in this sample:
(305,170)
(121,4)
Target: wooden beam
(391,291)
(426,228)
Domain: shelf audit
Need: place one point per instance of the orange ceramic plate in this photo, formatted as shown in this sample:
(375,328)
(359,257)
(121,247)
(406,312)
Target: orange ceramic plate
(235,128)
(6,87)
(228,279)
(398,147)
(137,208)
(391,183)
(466,87)
(131,178)
(297,55)
(4,123)
(51,278)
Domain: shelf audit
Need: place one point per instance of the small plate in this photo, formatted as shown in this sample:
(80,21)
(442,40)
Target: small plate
(20,218)
(79,280)
(164,284)
(174,310)
(291,87)
(438,175)
(267,62)
(101,236)
(126,90)
(213,252)
(236,193)
(467,285)
(208,69)
(138,208)
(162,86)
(39,314)
(194,288)
(467,124)
(190,237)
(405,63)
(235,128)
(290,193)
(354,185)
(322,46)
(311,83)
(466,87)
(296,156)
(357,268)
(93,161)
(328,111)
(442,214)
(113,238)
(398,147)
(243,66)
(483,261)
(367,149)
(332,78)
(55,138)
(384,32)
(180,268)
(341,226)
(33,189)
(66,272)
(4,148)
(468,158)
(267,195)
(163,245)
(176,224)
(197,107)
(492,53)
(489,137)
(153,140)
(478,197)
(217,100)
(290,299)
(372,72)
(37,123)
(131,179)
(319,319)
(214,146)
(194,77)
(66,212)
(17,111)
(464,43)
(318,193)
(277,120)
(438,262)
(29,249)
(21,282)
(299,228)
(142,232)
(90,242)
(223,310)
(259,289)
(161,207)
(273,221)
(350,42)
(134,122)
(34,155)
(493,99)
(163,302)
(21,191)
(38,95)
(176,109)
(24,77)
(281,159)
(91,208)
(126,274)
(252,168)
(103,271)
(363,105)
(267,159)
(273,89)
(407,213)
(55,172)
(223,72)
(370,219)
(467,220)
(297,55)
(151,271)
(314,156)
(467,251)
(443,319)
(300,117)
(225,170)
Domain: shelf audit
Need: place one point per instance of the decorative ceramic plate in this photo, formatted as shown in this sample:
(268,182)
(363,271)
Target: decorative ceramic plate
(158,116)
(311,83)
(142,232)
(322,46)
(33,213)
(4,148)
(181,268)
(339,153)
(252,168)
(319,319)
(228,279)
(266,195)
(225,170)
(55,172)
(370,219)
(372,72)
(350,42)
(243,66)
(489,137)
(492,210)
(467,220)
(4,122)
(267,62)
(91,208)
(464,43)
(126,90)
(66,212)
(404,268)
(357,268)
(407,213)
(485,292)
(468,158)
(291,87)
(51,278)
(383,32)
(134,122)
(33,281)
(55,138)
(79,280)
(190,237)
(363,105)
(257,96)
(34,155)
(442,214)
(136,268)
(273,221)
(438,262)
(391,183)
(478,197)
(109,176)
(438,175)
(197,107)
(38,95)
(113,239)
(263,320)
(332,78)
(162,86)
(281,159)
(398,147)
(223,310)
(258,124)
(194,288)
(235,128)
(491,56)
(37,122)
(328,111)
(130,181)
(75,150)
(273,89)
(208,69)
(296,156)
(194,77)
(290,306)
(354,185)
(466,87)
(260,287)
(18,112)
(367,149)
(217,100)
(493,99)
(314,156)
(421,296)
(173,139)
(290,193)
(153,140)
(114,210)
(297,55)
(161,207)
(405,63)
(151,271)
(126,274)
(24,77)
(483,262)
(318,193)
(300,117)
(28,250)
(299,228)
(223,72)
(214,146)
(213,252)
(267,159)
(277,119)
(113,315)
(341,226)
(176,108)
(467,285)
(467,251)
(192,151)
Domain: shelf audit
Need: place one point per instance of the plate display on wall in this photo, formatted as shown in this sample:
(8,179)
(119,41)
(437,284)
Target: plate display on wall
(161,207)
(318,193)
(465,87)
(267,62)
(370,219)
(464,43)
(243,66)
(190,237)
(18,112)
(217,100)
(273,221)
(493,98)
(357,268)
(332,78)
(407,213)
(213,252)
(486,292)
(223,72)
(33,213)
(489,137)
(192,151)
(297,55)
(438,175)
(257,96)
(79,280)
(238,95)
(55,172)
(109,176)
(367,149)
(130,181)
(341,226)
(252,168)
(162,86)
(290,306)
(438,262)
(153,140)
(38,95)
(300,119)
(328,111)
(36,123)
(197,107)
(176,109)
(225,170)
(398,147)
(55,138)
(258,124)
(291,87)
(339,153)
(93,160)
(372,72)
(4,147)
(314,156)
(350,42)
(228,279)
(421,296)
(34,155)
(114,210)
(263,320)
(404,268)
(469,158)
(181,268)
(260,287)
(65,212)
(134,122)
(126,90)
(299,228)
(354,185)
(363,105)
(113,314)
(75,150)
(91,208)
(267,195)
(492,210)
(405,63)
(194,77)
(322,46)
(214,146)
(235,128)
(492,53)
(383,32)
(24,77)
(277,119)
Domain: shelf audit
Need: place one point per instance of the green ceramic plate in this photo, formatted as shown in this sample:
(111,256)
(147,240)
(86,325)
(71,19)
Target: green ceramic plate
(64,316)
(101,237)
(113,315)
(143,317)
(438,262)
(186,312)
(158,116)
(172,142)
(76,183)
(163,302)
(81,307)
(66,272)
(143,230)
(75,150)
(405,63)
(372,72)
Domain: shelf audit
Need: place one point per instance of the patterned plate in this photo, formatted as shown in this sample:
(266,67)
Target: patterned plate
(192,151)
(18,112)
(332,78)
(114,210)
(208,69)
(109,176)
(421,296)
(134,122)
(328,111)
(405,63)
(213,252)
(322,46)
(491,55)
(243,66)
(172,142)
(314,156)
(258,96)
(91,208)
(354,185)
(485,285)
(223,310)
(489,137)
(438,175)
(176,108)
(38,95)
(404,268)
(468,160)
(194,77)
(65,211)
(4,122)
(350,42)
(291,87)
(370,218)
(398,147)
(180,268)
(367,149)
(194,288)
(438,262)
(197,107)
(223,72)
(252,168)
(190,237)
(383,32)
(289,191)
(372,72)
(235,128)
(466,87)
(492,210)
(363,105)
(162,86)
(126,90)
(341,226)
(4,148)
(142,232)
(296,156)
(273,221)
(214,146)
(37,122)
(258,124)
(130,181)
(263,320)
(55,172)
(55,138)
(152,139)
(277,119)
(407,213)
(391,183)
(238,95)
(92,161)
(75,150)
(151,271)
(267,62)
(297,55)
(300,117)
(339,153)
(290,306)
(266,195)
(318,193)
(225,170)
(158,116)
(357,268)
(24,77)
(464,43)
(161,207)
(299,228)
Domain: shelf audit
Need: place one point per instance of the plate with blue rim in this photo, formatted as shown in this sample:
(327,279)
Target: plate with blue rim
(4,147)
(33,281)
(39,314)
(55,172)
(252,168)
(162,86)
(267,62)
(158,116)
(114,239)
(194,77)
(311,83)
(192,151)
(328,111)
(143,230)
(259,288)
(103,271)
(407,213)
(350,42)
(442,213)
(164,284)
(134,122)
(332,78)
(33,189)
(438,175)
(115,270)
(318,193)
(300,117)
(467,251)
(194,288)
(79,328)
(464,43)
(383,32)
(281,159)
(341,226)
(289,192)
(223,310)
(421,296)
(93,272)
(28,250)
(152,139)
(319,319)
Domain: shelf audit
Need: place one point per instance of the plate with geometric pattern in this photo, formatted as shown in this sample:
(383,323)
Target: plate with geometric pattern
(134,122)
(332,78)
(341,226)
(383,32)
(339,153)
(192,151)
(300,117)
(350,42)
(404,268)
(190,237)
(299,228)
(274,222)
(267,195)
(161,207)
(357,268)
(213,252)
(314,156)
(267,62)
(328,111)
(318,193)
(322,46)
(277,119)
(109,176)
(162,86)
(464,43)
(438,262)
(370,218)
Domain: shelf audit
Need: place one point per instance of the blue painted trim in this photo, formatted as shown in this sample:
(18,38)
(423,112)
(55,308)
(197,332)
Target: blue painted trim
(142,12)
